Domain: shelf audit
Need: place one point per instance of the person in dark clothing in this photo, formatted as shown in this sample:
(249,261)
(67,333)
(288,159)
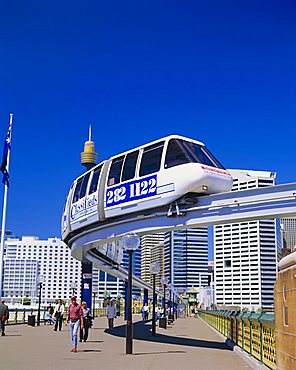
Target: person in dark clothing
(83,335)
(58,314)
(4,316)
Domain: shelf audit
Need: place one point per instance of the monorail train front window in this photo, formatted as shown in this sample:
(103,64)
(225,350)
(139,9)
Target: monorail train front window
(182,151)
(115,170)
(204,155)
(94,182)
(176,154)
(129,167)
(151,159)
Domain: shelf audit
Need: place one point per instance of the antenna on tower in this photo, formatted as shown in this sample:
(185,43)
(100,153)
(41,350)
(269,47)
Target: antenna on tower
(89,133)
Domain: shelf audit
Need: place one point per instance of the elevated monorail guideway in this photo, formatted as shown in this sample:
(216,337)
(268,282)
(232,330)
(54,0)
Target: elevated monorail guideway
(168,184)
(231,207)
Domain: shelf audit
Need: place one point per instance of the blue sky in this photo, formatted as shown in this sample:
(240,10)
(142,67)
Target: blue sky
(219,72)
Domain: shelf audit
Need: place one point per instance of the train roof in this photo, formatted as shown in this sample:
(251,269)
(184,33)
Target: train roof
(165,138)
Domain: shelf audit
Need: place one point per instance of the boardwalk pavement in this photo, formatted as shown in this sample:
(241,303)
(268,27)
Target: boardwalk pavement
(188,344)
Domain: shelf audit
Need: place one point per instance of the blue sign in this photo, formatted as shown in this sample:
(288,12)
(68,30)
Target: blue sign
(130,191)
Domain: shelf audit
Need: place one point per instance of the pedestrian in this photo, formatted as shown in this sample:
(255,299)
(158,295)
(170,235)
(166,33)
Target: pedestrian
(146,311)
(58,315)
(48,317)
(143,313)
(83,335)
(111,314)
(4,315)
(75,317)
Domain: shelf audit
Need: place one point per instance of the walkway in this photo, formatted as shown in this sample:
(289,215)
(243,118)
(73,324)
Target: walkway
(188,344)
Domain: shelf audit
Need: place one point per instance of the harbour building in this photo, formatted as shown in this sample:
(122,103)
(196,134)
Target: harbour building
(28,258)
(247,253)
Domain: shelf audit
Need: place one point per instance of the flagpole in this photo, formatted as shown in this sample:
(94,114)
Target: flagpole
(4,218)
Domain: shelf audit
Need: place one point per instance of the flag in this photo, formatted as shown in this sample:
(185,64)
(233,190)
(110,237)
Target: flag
(7,146)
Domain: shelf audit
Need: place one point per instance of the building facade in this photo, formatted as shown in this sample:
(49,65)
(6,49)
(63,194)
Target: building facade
(247,253)
(288,235)
(186,258)
(149,244)
(28,258)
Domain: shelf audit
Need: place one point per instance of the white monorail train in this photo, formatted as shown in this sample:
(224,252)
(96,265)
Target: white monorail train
(150,176)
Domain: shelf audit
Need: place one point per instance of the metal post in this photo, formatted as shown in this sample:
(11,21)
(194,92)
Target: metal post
(164,310)
(170,306)
(94,297)
(129,323)
(153,312)
(173,305)
(39,304)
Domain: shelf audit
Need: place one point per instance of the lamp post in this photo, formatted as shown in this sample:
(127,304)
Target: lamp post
(164,281)
(94,303)
(130,242)
(40,282)
(154,269)
(170,300)
(73,287)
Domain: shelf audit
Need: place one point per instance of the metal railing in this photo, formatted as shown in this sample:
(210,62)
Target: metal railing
(253,332)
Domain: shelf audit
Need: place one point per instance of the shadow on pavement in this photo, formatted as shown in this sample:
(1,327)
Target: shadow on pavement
(143,332)
(158,353)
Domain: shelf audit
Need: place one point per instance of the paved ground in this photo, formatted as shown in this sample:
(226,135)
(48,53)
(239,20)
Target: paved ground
(188,344)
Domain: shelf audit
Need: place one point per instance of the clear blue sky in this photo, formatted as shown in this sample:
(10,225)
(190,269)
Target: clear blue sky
(222,72)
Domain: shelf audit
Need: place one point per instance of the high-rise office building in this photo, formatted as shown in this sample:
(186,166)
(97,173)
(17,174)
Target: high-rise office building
(148,242)
(288,235)
(186,258)
(157,256)
(28,258)
(247,253)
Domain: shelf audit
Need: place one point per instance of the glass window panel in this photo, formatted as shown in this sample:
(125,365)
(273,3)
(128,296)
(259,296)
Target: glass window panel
(115,170)
(84,185)
(95,180)
(151,159)
(129,167)
(77,190)
(177,154)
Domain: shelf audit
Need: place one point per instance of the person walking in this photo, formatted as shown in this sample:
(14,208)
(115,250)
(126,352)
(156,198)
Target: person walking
(83,335)
(58,314)
(4,315)
(75,317)
(111,314)
(146,311)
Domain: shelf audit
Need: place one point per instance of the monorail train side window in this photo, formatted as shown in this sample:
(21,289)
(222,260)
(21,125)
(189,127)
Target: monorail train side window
(84,186)
(151,159)
(176,154)
(94,182)
(77,190)
(115,170)
(129,167)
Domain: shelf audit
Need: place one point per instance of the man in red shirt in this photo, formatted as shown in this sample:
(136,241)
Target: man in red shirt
(75,317)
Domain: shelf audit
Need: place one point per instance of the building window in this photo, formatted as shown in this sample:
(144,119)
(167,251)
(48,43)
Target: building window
(227,263)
